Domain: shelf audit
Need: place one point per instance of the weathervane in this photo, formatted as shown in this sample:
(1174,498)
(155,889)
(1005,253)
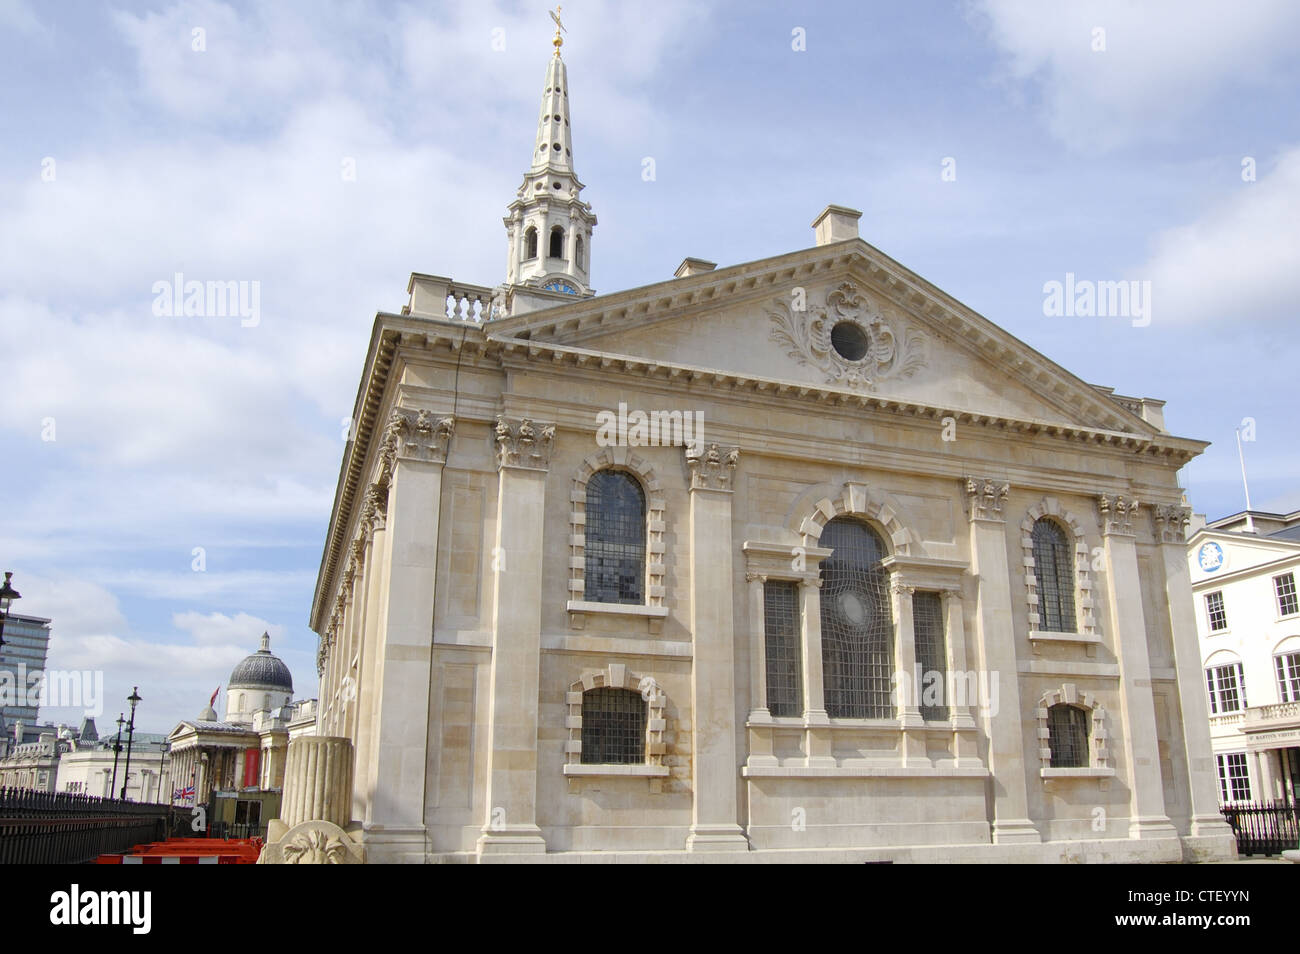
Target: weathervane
(555,15)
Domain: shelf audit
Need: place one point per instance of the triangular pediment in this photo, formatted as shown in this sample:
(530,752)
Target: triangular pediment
(844,316)
(1219,553)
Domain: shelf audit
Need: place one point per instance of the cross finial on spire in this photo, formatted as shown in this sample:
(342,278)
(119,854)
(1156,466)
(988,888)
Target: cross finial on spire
(558,41)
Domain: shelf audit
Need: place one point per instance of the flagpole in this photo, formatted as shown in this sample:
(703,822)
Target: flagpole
(1241,456)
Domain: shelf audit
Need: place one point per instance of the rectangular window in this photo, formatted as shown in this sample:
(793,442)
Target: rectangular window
(1287,602)
(1227,687)
(1234,779)
(1214,607)
(1288,677)
(931,655)
(781,638)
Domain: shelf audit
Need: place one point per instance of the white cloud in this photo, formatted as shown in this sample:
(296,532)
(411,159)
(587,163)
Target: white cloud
(218,629)
(18,16)
(1237,262)
(1162,60)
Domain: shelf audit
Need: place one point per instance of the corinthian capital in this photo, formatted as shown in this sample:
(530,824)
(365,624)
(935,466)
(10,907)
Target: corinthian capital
(984,498)
(1172,521)
(524,443)
(1116,513)
(711,466)
(417,435)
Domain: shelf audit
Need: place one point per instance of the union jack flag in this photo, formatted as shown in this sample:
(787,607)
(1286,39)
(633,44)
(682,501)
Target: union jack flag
(183,794)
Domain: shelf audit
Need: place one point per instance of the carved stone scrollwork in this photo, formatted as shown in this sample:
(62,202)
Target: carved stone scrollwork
(1172,521)
(985,496)
(1116,513)
(752,577)
(711,466)
(313,842)
(891,350)
(524,444)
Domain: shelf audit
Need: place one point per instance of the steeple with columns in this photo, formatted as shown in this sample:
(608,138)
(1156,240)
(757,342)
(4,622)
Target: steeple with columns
(549,226)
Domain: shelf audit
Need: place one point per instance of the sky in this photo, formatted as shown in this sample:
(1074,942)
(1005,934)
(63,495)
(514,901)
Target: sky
(167,480)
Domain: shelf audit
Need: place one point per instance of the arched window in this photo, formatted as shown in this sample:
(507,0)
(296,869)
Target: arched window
(1054,574)
(557,242)
(615,539)
(1067,736)
(577,253)
(613,727)
(857,623)
(530,242)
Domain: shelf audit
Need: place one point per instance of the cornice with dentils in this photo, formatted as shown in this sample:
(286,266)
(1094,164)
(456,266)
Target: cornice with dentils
(442,340)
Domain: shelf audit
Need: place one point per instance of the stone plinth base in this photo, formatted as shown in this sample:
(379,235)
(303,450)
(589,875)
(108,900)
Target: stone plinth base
(395,846)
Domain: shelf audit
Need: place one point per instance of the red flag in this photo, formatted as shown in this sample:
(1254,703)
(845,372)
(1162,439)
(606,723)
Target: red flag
(213,700)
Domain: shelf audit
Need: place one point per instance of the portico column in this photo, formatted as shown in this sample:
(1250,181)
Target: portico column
(1171,527)
(523,458)
(715,814)
(1147,816)
(1009,760)
(412,456)
(1264,768)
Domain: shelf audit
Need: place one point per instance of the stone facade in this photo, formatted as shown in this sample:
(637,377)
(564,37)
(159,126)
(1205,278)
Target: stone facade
(463,649)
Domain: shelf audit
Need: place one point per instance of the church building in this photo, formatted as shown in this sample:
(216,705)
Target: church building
(797,559)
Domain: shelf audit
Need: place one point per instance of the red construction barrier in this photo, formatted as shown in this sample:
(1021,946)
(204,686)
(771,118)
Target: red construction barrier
(190,851)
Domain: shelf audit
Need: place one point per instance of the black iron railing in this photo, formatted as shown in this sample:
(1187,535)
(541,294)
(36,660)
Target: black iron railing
(62,828)
(1264,828)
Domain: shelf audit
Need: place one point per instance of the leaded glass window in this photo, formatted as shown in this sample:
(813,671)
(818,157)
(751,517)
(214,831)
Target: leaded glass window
(1054,575)
(931,654)
(1067,736)
(615,539)
(781,635)
(857,623)
(613,727)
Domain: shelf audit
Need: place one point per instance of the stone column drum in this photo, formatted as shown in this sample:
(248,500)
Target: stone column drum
(315,826)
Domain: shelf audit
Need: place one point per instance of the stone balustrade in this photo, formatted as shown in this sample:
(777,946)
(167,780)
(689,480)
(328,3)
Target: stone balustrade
(433,296)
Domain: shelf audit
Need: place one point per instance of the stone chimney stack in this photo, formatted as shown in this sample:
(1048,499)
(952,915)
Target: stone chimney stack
(836,223)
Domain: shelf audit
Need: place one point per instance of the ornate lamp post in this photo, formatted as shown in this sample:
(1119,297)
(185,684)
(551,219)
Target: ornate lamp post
(7,596)
(135,700)
(117,750)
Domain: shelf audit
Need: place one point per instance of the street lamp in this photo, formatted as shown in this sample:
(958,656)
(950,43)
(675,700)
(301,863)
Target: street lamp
(117,750)
(7,596)
(134,699)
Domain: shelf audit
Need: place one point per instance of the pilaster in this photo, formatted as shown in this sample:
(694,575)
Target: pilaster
(1171,529)
(715,816)
(523,460)
(1147,816)
(412,455)
(907,704)
(995,639)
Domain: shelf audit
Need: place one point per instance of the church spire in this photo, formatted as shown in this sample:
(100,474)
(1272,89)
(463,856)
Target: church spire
(549,227)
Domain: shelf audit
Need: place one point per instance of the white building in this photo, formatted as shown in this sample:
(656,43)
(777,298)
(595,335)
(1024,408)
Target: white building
(1244,571)
(245,751)
(550,632)
(87,768)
